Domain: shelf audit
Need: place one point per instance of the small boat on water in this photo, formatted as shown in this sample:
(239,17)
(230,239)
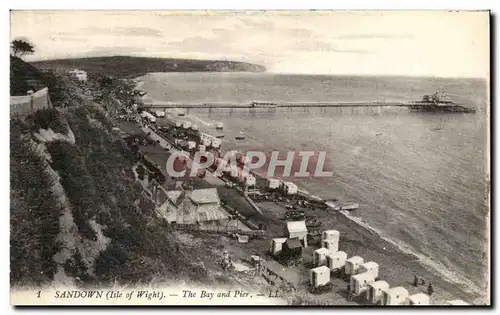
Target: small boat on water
(348,206)
(219,126)
(181,114)
(241,136)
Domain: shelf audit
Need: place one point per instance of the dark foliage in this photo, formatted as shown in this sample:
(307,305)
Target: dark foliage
(123,66)
(34,215)
(49,118)
(22,47)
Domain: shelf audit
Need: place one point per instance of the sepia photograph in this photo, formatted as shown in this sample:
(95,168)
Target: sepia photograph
(258,157)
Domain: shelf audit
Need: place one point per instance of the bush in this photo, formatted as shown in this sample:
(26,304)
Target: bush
(49,118)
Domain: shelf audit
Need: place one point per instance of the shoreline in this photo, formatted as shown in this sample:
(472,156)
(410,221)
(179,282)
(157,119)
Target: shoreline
(442,281)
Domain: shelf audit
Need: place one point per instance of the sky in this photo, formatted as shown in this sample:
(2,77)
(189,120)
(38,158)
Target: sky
(415,43)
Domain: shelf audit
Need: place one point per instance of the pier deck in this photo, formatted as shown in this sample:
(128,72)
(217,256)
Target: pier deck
(410,105)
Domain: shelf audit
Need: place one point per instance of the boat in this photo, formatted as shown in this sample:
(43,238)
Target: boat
(241,136)
(219,126)
(337,206)
(181,114)
(438,102)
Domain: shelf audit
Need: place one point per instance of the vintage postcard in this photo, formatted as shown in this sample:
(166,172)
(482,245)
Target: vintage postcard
(250,158)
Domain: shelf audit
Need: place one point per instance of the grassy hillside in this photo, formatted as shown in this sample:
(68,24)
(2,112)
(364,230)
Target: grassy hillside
(122,66)
(77,214)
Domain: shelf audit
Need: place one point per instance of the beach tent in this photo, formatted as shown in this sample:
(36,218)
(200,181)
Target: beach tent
(374,293)
(352,265)
(319,276)
(336,261)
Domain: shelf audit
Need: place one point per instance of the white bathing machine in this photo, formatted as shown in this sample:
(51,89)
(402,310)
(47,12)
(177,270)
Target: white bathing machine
(277,245)
(273,183)
(394,296)
(418,299)
(371,267)
(330,235)
(289,188)
(352,265)
(374,294)
(457,302)
(249,180)
(359,283)
(330,240)
(319,256)
(331,245)
(336,261)
(319,276)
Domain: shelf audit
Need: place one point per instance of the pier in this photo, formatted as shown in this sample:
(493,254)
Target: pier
(414,106)
(165,105)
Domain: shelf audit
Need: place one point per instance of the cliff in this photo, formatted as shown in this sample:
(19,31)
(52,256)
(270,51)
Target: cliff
(79,216)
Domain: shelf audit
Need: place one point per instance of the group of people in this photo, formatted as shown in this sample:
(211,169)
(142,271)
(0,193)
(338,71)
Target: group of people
(420,281)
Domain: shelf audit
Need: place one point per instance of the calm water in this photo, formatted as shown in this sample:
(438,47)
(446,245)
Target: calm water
(419,178)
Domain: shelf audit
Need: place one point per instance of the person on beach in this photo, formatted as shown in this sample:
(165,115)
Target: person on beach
(430,289)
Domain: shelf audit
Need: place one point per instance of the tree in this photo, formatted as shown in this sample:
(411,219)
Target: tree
(21,47)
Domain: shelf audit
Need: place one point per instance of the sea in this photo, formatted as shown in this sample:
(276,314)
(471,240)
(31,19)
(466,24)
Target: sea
(420,179)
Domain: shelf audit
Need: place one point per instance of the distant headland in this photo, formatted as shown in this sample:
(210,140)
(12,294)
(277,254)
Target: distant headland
(130,67)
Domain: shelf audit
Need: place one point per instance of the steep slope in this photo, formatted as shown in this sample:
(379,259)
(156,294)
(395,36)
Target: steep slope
(78,215)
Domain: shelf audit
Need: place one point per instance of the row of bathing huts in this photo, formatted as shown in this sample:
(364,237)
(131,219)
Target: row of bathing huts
(363,276)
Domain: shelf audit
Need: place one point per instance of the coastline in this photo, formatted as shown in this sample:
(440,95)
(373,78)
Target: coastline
(407,263)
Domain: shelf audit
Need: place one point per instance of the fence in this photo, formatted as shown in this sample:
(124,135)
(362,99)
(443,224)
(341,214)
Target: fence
(217,229)
(22,106)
